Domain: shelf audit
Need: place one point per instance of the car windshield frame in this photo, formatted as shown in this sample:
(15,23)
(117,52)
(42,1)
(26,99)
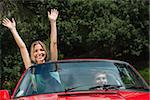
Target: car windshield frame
(78,75)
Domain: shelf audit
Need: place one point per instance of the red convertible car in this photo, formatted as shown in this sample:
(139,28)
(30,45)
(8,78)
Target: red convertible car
(82,79)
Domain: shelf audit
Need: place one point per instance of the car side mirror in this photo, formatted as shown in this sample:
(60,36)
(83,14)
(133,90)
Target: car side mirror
(4,95)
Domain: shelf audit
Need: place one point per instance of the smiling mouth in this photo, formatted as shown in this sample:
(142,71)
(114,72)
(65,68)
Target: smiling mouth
(40,56)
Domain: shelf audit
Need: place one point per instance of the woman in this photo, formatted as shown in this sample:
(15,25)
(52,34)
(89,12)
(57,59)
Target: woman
(38,51)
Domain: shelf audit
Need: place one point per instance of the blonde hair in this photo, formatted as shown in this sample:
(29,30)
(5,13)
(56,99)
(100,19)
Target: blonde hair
(32,50)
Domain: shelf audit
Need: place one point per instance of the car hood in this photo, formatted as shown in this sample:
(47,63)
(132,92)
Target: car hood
(91,95)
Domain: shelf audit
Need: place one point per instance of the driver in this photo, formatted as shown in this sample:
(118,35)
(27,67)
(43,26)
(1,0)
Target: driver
(101,78)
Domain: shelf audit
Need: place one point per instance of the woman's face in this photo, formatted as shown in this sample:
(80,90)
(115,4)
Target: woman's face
(39,54)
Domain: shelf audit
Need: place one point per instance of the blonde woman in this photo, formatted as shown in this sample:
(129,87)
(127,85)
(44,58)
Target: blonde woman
(38,51)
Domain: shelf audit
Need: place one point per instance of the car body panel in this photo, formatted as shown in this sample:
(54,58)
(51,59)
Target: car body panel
(92,95)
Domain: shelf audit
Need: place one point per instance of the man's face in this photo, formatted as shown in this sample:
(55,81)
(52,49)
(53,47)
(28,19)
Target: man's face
(101,79)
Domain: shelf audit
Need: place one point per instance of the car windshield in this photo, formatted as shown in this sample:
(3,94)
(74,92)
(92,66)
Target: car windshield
(63,76)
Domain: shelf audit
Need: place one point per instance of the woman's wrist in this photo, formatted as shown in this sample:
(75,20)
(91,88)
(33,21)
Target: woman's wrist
(13,29)
(52,20)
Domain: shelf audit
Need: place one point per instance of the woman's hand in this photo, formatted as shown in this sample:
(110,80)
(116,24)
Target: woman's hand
(53,15)
(8,23)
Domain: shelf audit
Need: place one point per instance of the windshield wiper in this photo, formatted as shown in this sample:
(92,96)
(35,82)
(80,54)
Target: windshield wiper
(73,88)
(105,87)
(137,87)
(69,89)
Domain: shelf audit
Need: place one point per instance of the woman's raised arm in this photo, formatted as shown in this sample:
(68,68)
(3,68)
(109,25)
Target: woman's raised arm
(52,15)
(24,52)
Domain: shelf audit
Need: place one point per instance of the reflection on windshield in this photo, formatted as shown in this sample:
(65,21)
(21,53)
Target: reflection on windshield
(40,79)
(77,76)
(86,74)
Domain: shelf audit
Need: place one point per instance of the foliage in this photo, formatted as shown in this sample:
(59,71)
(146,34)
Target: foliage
(115,29)
(89,25)
(145,72)
(9,72)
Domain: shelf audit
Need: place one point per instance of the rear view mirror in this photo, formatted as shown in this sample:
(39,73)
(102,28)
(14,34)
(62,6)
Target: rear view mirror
(4,95)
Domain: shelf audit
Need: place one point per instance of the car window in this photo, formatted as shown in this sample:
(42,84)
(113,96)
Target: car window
(39,80)
(130,77)
(55,77)
(74,75)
